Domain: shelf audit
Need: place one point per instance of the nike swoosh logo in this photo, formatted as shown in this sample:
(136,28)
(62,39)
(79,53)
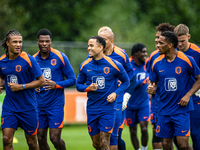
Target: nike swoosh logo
(57,124)
(3,68)
(89,70)
(145,117)
(184,131)
(30,131)
(107,127)
(161,70)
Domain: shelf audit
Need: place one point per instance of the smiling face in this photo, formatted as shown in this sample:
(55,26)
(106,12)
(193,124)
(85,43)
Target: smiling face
(95,49)
(44,43)
(142,55)
(158,33)
(14,44)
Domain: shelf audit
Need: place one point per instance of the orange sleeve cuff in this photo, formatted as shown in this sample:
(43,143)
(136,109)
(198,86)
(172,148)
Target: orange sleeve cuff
(59,87)
(87,89)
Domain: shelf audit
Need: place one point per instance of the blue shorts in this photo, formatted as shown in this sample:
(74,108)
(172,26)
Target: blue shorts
(27,120)
(113,137)
(52,118)
(134,116)
(196,112)
(100,121)
(173,125)
(153,118)
(121,124)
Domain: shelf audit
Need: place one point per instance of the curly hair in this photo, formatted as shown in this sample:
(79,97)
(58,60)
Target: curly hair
(165,27)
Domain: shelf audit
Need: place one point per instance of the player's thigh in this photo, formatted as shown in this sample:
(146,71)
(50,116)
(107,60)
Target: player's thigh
(29,121)
(164,127)
(55,117)
(131,117)
(181,124)
(9,119)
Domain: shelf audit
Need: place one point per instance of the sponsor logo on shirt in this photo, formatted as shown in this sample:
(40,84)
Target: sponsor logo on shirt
(170,84)
(99,80)
(12,79)
(47,73)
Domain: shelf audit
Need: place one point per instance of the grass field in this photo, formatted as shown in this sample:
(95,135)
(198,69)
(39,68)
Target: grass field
(76,137)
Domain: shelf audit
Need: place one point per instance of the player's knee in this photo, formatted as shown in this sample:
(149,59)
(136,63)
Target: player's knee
(166,145)
(144,131)
(32,144)
(55,140)
(96,145)
(7,141)
(156,139)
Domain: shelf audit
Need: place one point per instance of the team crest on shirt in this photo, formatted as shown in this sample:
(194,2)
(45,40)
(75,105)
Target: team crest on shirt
(170,84)
(18,68)
(106,70)
(46,73)
(178,70)
(157,129)
(99,80)
(53,62)
(12,79)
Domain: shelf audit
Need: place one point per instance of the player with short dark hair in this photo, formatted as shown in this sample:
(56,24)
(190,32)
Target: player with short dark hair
(98,77)
(21,74)
(156,141)
(138,106)
(172,71)
(58,75)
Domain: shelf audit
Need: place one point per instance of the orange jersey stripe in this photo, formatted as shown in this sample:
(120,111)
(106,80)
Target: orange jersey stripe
(182,56)
(35,54)
(130,58)
(153,53)
(85,63)
(111,62)
(3,56)
(195,47)
(58,54)
(119,52)
(118,48)
(157,60)
(25,57)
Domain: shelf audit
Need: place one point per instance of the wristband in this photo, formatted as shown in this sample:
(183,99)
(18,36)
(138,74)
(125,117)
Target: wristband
(24,87)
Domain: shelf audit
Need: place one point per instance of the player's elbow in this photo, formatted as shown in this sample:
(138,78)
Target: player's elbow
(41,81)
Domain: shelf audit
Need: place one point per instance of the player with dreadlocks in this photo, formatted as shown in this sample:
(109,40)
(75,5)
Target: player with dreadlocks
(20,74)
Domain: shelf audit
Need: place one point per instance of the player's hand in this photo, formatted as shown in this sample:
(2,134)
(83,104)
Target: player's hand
(184,100)
(15,86)
(1,90)
(151,89)
(37,89)
(126,98)
(49,85)
(111,98)
(93,87)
